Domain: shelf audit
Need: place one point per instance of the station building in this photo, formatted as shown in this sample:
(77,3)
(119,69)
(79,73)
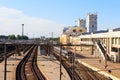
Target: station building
(106,43)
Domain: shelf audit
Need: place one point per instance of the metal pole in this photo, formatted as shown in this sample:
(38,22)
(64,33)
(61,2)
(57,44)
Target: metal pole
(5,65)
(118,54)
(72,66)
(22,30)
(60,62)
(73,62)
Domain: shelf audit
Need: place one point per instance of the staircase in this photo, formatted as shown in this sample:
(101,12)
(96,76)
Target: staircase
(103,51)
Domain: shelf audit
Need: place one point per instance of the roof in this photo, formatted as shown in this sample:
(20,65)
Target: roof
(101,31)
(116,29)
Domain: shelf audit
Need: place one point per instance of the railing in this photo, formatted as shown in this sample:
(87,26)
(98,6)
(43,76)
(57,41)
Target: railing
(86,42)
(99,51)
(103,51)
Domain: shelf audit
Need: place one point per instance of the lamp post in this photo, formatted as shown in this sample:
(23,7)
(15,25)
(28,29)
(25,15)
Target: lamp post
(22,30)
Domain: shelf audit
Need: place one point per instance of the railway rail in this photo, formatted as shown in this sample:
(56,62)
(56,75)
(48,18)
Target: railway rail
(10,53)
(78,71)
(27,69)
(2,55)
(68,66)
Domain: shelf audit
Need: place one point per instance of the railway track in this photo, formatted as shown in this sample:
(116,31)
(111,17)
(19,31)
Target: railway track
(68,66)
(88,73)
(27,69)
(79,71)
(8,55)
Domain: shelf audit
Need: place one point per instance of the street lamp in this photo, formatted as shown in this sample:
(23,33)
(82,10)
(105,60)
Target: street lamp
(22,30)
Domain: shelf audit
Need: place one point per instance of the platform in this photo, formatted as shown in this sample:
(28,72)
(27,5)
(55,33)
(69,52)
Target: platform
(12,62)
(111,70)
(51,68)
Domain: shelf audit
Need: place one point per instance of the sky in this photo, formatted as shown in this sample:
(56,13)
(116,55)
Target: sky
(42,17)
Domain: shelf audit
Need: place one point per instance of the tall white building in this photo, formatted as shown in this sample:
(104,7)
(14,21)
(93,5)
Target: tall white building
(91,22)
(82,23)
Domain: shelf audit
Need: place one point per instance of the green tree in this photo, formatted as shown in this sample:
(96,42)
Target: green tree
(25,37)
(12,37)
(19,37)
(22,37)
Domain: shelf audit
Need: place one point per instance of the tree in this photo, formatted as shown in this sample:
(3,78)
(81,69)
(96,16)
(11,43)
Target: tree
(12,37)
(22,37)
(25,37)
(19,37)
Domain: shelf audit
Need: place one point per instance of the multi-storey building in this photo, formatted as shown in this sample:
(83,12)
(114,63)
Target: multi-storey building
(106,42)
(82,23)
(91,22)
(75,31)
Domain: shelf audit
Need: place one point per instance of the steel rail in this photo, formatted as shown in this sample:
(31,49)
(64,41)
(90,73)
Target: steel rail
(27,68)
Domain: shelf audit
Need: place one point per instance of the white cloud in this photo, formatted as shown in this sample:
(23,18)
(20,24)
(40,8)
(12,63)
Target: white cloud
(11,21)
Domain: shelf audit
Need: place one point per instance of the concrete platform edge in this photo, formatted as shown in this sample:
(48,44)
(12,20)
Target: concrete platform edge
(97,69)
(39,66)
(43,72)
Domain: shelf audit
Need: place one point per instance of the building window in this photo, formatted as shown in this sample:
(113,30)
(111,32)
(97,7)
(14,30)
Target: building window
(112,40)
(80,30)
(74,30)
(114,49)
(115,40)
(92,28)
(119,41)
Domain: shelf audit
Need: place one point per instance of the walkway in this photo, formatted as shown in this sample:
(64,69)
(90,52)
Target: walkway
(51,68)
(11,67)
(111,70)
